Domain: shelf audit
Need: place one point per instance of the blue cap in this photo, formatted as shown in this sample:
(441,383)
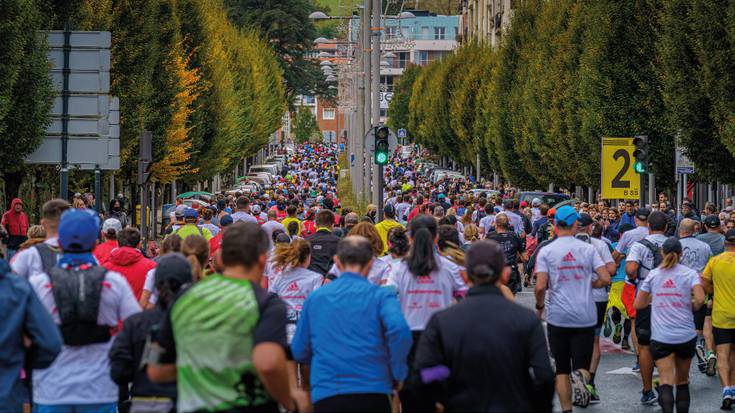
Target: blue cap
(78,230)
(225,220)
(190,213)
(566,214)
(228,210)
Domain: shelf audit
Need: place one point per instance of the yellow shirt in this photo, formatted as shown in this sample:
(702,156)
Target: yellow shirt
(720,270)
(384,228)
(288,220)
(191,229)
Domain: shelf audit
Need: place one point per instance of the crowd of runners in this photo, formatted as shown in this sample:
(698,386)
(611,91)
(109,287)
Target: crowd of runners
(282,298)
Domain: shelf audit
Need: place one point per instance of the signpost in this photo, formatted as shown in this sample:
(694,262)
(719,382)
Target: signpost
(684,168)
(619,179)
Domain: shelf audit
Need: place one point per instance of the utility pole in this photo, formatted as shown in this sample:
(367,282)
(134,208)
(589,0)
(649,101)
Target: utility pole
(375,30)
(367,72)
(64,172)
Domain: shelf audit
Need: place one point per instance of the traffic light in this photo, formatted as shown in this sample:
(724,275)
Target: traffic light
(640,153)
(382,147)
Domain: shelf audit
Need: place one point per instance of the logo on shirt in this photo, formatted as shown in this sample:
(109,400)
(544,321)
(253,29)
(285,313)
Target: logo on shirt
(668,284)
(292,287)
(424,279)
(569,257)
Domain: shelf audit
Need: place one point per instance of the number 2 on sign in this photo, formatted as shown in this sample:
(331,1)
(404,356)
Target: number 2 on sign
(618,182)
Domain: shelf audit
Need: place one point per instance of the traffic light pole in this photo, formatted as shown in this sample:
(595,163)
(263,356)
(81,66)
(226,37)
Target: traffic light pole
(380,184)
(375,30)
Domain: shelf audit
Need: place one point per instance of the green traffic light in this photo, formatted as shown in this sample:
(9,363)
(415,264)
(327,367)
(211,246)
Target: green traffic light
(639,167)
(381,158)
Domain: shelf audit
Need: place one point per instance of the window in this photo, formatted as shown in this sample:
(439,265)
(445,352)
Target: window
(330,136)
(328,114)
(424,33)
(309,100)
(440,33)
(391,32)
(406,32)
(402,59)
(313,110)
(423,57)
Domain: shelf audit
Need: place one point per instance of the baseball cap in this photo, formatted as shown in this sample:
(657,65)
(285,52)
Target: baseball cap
(585,220)
(180,209)
(256,209)
(643,213)
(173,266)
(671,244)
(712,221)
(226,220)
(730,236)
(535,202)
(78,231)
(524,204)
(567,214)
(551,213)
(191,213)
(111,224)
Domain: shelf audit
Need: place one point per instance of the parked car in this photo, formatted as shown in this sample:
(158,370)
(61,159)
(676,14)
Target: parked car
(486,193)
(406,151)
(441,174)
(269,168)
(549,198)
(264,179)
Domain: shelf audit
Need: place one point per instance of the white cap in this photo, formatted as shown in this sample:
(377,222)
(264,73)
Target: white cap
(536,202)
(111,223)
(256,209)
(180,209)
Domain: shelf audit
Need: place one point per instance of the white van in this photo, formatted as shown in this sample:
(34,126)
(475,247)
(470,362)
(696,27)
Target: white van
(269,168)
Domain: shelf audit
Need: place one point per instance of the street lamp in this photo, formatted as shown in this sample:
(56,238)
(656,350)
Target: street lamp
(331,78)
(406,15)
(325,54)
(389,55)
(320,40)
(318,15)
(325,63)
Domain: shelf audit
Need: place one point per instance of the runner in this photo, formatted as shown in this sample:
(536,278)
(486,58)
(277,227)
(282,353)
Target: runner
(718,278)
(667,290)
(513,249)
(570,269)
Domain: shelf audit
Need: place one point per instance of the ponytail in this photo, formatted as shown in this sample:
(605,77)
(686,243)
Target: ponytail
(291,255)
(196,250)
(670,260)
(421,258)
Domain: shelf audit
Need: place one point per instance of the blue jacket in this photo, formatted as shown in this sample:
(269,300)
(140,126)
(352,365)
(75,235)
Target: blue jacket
(626,219)
(22,313)
(354,336)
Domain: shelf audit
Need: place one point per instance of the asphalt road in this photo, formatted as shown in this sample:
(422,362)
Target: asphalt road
(619,387)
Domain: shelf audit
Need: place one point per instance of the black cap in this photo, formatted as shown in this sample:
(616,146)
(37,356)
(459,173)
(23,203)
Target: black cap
(712,221)
(485,259)
(657,221)
(389,211)
(585,220)
(643,213)
(730,236)
(671,244)
(173,266)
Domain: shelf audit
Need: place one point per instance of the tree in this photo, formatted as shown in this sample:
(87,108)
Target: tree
(305,126)
(25,88)
(398,107)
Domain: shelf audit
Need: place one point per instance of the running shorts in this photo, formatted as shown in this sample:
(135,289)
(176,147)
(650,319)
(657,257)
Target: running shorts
(682,350)
(601,307)
(614,299)
(571,347)
(627,297)
(723,335)
(643,326)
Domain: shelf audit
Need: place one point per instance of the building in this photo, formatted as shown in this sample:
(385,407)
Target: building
(486,20)
(419,40)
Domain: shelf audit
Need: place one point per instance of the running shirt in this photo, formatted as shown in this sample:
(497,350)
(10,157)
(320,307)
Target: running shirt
(378,274)
(210,334)
(81,374)
(571,265)
(243,216)
(695,253)
(631,237)
(511,244)
(720,271)
(293,286)
(150,285)
(422,296)
(515,221)
(672,319)
(487,223)
(642,255)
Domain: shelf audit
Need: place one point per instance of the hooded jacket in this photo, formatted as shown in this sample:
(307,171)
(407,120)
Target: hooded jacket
(16,224)
(102,251)
(131,263)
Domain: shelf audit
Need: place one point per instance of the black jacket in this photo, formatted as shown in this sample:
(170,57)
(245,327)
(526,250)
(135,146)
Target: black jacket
(490,346)
(323,247)
(127,351)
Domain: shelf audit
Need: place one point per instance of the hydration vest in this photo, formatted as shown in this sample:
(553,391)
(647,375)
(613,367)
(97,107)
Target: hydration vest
(78,294)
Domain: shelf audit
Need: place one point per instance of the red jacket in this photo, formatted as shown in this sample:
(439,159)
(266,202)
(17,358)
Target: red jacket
(131,263)
(102,251)
(215,243)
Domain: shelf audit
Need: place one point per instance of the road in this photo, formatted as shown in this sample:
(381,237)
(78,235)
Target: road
(619,387)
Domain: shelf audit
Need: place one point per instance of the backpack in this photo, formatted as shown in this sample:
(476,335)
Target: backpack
(657,257)
(78,294)
(49,256)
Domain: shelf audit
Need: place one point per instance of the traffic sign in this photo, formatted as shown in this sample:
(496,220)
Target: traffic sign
(402,133)
(684,165)
(619,179)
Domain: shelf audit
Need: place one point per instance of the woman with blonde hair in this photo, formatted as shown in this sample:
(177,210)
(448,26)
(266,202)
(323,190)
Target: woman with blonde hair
(471,234)
(673,292)
(380,269)
(36,235)
(196,250)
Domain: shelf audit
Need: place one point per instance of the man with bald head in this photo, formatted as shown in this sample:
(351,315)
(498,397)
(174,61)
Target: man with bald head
(695,255)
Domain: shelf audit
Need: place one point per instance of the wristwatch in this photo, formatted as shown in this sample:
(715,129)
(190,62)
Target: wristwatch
(540,307)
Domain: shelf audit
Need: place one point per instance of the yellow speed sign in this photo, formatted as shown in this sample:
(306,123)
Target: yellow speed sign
(619,180)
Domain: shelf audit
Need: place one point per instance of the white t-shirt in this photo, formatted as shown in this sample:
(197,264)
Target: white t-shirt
(602,248)
(378,272)
(515,221)
(28,262)
(695,254)
(293,286)
(571,265)
(631,237)
(271,226)
(643,256)
(150,285)
(672,320)
(422,296)
(487,223)
(81,374)
(243,216)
